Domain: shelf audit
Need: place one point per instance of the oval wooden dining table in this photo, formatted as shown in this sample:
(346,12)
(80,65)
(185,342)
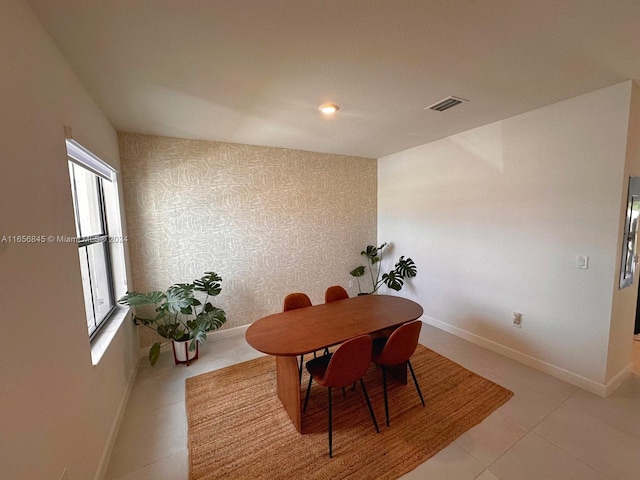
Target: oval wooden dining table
(289,334)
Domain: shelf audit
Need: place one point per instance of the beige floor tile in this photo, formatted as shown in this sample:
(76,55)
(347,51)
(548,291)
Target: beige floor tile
(173,467)
(478,355)
(592,441)
(536,380)
(209,364)
(433,337)
(246,351)
(487,475)
(491,438)
(145,370)
(534,458)
(148,437)
(450,463)
(155,392)
(620,410)
(527,406)
(457,353)
(222,348)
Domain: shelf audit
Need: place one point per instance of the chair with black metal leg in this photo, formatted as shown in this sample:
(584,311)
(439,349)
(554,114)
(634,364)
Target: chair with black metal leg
(333,294)
(394,351)
(346,365)
(292,302)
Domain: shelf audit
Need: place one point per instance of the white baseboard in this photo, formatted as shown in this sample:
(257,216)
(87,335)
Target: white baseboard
(618,379)
(227,332)
(573,378)
(113,434)
(212,336)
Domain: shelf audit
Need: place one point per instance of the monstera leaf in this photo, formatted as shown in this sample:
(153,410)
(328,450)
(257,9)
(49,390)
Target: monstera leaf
(135,299)
(371,252)
(393,280)
(178,298)
(404,268)
(358,271)
(209,283)
(179,315)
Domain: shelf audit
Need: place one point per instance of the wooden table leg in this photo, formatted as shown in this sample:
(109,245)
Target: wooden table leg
(289,388)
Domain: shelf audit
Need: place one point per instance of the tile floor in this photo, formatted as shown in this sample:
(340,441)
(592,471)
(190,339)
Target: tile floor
(549,430)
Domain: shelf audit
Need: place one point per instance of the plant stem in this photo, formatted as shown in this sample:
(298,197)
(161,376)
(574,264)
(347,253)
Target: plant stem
(206,299)
(373,283)
(151,328)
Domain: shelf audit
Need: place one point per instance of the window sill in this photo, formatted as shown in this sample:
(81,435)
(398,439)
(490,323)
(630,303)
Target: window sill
(102,340)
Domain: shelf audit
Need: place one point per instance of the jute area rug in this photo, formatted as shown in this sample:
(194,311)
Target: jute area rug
(238,429)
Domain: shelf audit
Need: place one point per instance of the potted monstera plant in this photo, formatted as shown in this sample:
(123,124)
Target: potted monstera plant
(178,315)
(394,279)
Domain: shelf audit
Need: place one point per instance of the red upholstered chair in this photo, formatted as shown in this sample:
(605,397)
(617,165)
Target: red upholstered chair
(396,350)
(345,366)
(335,293)
(296,300)
(292,302)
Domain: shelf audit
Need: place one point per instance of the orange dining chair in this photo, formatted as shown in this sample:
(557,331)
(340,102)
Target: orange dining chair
(345,366)
(396,350)
(335,293)
(294,301)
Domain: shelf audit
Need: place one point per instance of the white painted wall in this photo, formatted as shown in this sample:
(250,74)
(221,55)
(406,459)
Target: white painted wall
(495,217)
(56,408)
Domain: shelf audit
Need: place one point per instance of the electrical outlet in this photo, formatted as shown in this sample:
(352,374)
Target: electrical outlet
(350,283)
(517,320)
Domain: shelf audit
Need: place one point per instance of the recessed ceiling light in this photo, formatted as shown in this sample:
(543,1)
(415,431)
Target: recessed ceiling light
(329,108)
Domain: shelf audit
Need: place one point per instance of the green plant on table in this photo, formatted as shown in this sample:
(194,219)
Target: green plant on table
(394,279)
(179,315)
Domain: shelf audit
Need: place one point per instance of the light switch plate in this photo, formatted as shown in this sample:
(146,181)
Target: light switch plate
(582,261)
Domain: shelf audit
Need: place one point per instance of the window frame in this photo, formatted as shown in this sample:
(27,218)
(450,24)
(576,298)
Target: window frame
(102,238)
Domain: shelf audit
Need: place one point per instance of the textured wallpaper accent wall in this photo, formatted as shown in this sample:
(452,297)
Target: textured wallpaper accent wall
(269,220)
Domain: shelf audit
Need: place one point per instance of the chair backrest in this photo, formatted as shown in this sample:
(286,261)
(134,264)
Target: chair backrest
(296,300)
(349,362)
(401,344)
(335,293)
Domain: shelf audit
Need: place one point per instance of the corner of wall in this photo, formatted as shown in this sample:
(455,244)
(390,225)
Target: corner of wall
(624,301)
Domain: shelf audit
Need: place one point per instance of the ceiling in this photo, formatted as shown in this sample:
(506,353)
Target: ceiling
(256,71)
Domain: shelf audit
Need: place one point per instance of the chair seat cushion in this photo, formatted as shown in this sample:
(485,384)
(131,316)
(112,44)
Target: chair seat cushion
(318,367)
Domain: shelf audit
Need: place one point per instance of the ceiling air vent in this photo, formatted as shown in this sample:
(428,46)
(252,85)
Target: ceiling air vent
(446,104)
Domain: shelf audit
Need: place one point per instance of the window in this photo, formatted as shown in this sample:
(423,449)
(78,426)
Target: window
(90,178)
